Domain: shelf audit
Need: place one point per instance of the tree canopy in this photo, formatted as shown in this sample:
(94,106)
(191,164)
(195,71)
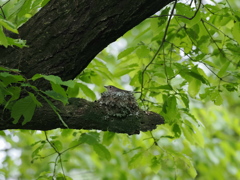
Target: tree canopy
(181,56)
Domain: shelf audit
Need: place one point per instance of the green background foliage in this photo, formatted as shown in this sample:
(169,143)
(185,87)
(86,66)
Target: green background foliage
(184,62)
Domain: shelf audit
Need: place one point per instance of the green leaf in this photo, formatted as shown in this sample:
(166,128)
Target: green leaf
(38,104)
(69,83)
(51,78)
(24,107)
(166,87)
(199,138)
(35,143)
(104,73)
(58,89)
(61,176)
(170,111)
(17,42)
(108,138)
(66,132)
(102,151)
(218,100)
(8,78)
(10,69)
(190,167)
(55,110)
(45,2)
(124,70)
(57,144)
(223,70)
(36,151)
(8,25)
(170,72)
(37,3)
(57,96)
(135,160)
(74,144)
(189,133)
(4,69)
(163,20)
(25,8)
(14,92)
(155,164)
(137,78)
(214,95)
(73,92)
(142,52)
(185,99)
(183,9)
(126,52)
(235,31)
(87,91)
(172,104)
(195,20)
(36,76)
(198,76)
(176,130)
(54,80)
(231,87)
(194,87)
(3,38)
(89,138)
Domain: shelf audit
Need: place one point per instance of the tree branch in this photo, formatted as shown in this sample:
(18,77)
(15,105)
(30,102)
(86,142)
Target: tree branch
(64,36)
(82,114)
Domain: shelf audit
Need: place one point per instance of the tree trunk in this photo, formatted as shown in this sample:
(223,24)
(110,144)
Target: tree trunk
(64,36)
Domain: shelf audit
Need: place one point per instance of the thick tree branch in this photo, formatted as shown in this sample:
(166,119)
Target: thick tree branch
(82,114)
(66,35)
(63,38)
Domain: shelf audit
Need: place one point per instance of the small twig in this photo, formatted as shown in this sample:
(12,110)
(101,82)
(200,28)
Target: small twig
(220,50)
(58,156)
(230,7)
(182,16)
(218,30)
(161,45)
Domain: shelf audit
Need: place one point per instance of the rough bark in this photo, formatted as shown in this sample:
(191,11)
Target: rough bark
(63,38)
(66,35)
(82,114)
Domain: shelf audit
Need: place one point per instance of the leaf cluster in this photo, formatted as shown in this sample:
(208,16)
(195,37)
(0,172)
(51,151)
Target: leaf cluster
(19,96)
(13,14)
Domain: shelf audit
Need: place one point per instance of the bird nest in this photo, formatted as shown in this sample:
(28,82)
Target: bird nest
(119,104)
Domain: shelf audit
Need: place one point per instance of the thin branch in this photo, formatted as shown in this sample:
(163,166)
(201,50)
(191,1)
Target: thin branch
(58,156)
(52,145)
(161,45)
(220,50)
(191,3)
(206,65)
(218,30)
(230,7)
(182,16)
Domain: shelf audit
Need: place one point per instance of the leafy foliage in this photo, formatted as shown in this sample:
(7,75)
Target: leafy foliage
(185,62)
(13,14)
(13,86)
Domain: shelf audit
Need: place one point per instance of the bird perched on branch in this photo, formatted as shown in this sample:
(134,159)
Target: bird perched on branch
(115,89)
